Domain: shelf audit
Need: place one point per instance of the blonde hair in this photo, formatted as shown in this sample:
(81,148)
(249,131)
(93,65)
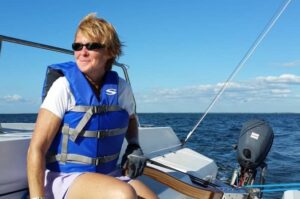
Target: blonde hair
(101,31)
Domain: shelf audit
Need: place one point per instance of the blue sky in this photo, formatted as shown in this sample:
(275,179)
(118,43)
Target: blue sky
(179,52)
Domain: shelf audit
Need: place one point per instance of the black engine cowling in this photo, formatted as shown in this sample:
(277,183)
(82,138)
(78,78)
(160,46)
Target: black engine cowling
(255,141)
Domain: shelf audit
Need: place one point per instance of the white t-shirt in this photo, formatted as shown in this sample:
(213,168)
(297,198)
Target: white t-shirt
(60,99)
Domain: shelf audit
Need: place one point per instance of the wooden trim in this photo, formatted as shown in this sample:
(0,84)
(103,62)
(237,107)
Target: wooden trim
(183,187)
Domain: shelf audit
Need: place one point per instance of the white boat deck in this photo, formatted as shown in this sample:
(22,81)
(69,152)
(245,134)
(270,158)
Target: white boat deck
(14,142)
(160,144)
(291,194)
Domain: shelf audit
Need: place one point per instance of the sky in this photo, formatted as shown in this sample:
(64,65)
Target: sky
(179,52)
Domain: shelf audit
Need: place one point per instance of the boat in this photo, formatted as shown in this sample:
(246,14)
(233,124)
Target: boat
(173,170)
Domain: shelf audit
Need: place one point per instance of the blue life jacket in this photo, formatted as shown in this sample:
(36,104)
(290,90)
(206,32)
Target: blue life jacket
(91,135)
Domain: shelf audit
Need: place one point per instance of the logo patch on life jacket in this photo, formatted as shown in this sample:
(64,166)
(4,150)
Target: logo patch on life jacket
(111,91)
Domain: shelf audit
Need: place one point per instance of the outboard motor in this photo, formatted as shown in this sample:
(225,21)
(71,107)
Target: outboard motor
(254,144)
(255,141)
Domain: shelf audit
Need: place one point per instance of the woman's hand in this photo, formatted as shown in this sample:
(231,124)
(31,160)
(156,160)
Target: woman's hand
(134,161)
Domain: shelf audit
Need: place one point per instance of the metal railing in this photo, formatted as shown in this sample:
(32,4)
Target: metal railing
(56,49)
(52,48)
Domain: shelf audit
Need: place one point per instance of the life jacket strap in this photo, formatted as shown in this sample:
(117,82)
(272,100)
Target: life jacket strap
(96,109)
(64,149)
(89,112)
(75,158)
(95,134)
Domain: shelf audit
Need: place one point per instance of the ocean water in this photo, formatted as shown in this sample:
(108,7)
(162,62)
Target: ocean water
(218,133)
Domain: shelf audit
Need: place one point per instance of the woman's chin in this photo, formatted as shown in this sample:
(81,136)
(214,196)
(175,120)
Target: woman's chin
(84,67)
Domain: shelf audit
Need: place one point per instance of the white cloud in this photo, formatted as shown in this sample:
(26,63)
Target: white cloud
(280,91)
(292,64)
(284,78)
(12,98)
(261,88)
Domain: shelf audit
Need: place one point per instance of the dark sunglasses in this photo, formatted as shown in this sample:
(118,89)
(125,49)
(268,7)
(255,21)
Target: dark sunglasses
(89,46)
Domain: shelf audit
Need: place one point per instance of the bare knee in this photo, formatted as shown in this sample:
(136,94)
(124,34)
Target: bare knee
(125,191)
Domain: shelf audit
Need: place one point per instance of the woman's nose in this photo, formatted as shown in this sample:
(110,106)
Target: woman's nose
(84,51)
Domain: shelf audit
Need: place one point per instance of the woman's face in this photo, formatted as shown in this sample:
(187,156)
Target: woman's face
(90,62)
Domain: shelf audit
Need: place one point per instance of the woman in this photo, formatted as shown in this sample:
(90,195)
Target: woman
(82,123)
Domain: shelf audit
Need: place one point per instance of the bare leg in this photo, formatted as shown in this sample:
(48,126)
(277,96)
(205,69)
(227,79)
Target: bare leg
(98,186)
(142,190)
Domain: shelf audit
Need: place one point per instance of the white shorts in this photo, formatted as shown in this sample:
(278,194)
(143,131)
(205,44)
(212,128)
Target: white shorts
(57,184)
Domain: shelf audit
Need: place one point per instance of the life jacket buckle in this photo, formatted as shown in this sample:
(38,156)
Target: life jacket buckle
(94,109)
(101,109)
(100,134)
(99,160)
(63,158)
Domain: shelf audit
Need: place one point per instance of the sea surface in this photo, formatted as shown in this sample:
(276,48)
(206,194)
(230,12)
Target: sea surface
(217,134)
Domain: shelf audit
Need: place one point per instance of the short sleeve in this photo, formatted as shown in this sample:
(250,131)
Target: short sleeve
(58,97)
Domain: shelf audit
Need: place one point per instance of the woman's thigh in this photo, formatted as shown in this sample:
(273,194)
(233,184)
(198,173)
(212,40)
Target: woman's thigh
(93,185)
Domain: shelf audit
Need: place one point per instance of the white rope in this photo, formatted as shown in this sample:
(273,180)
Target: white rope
(249,53)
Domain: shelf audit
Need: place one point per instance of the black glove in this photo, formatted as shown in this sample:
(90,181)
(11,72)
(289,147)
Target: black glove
(133,160)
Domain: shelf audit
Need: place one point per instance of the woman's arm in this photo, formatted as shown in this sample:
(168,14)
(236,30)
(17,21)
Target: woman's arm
(132,135)
(46,127)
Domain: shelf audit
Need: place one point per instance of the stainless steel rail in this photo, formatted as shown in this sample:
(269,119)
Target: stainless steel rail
(56,49)
(34,44)
(51,48)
